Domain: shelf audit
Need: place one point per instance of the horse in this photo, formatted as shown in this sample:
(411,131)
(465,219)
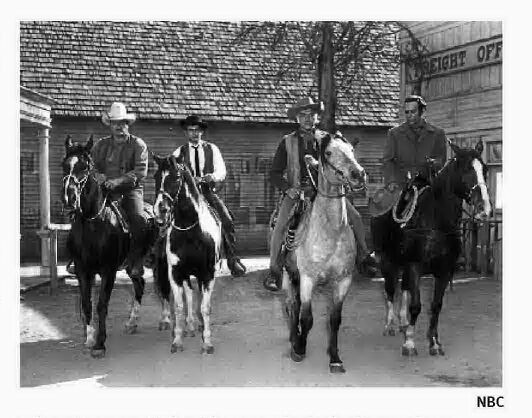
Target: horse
(193,244)
(427,240)
(97,242)
(325,249)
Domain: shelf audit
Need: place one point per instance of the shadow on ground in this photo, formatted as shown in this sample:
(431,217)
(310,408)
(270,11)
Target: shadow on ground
(251,347)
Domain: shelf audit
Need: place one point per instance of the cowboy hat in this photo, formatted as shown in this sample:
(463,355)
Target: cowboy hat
(384,199)
(193,120)
(117,111)
(304,104)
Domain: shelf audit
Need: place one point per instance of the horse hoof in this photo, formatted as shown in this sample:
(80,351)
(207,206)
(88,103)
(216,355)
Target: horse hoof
(336,368)
(189,333)
(98,352)
(176,347)
(207,350)
(164,326)
(131,329)
(296,357)
(409,351)
(389,332)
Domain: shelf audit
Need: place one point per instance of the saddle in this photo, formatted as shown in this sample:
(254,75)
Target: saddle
(121,216)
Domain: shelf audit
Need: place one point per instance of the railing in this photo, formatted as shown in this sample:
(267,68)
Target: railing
(52,231)
(482,246)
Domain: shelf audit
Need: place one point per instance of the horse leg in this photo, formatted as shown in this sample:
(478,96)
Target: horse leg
(409,346)
(306,320)
(292,305)
(108,281)
(440,284)
(162,288)
(390,283)
(177,330)
(335,318)
(207,290)
(136,300)
(190,329)
(85,291)
(405,302)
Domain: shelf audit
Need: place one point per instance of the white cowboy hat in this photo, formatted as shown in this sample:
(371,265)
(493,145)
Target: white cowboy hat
(117,111)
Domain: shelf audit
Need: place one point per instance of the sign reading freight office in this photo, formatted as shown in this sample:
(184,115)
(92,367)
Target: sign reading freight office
(476,54)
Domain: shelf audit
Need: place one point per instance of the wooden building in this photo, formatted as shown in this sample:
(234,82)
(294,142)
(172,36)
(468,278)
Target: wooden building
(461,79)
(164,71)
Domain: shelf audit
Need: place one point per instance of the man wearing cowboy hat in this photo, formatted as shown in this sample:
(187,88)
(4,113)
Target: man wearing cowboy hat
(207,165)
(120,166)
(289,174)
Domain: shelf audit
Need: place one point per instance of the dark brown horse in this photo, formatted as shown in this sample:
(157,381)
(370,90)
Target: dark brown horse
(427,240)
(97,242)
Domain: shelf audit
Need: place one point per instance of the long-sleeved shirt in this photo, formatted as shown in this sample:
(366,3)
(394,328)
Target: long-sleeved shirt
(218,166)
(407,150)
(306,145)
(127,161)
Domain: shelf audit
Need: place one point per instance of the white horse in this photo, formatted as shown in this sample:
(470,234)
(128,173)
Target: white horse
(325,249)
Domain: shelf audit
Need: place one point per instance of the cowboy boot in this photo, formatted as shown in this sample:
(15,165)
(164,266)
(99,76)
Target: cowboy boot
(236,267)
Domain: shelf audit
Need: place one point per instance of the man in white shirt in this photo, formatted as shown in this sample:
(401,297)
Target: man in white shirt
(207,165)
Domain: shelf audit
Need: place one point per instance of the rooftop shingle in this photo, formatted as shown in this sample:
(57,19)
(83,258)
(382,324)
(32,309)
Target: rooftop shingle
(166,70)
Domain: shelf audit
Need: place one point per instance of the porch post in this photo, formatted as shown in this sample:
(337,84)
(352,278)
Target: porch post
(44,194)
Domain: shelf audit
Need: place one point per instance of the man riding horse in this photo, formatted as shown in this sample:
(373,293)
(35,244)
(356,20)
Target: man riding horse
(120,167)
(414,148)
(207,165)
(289,173)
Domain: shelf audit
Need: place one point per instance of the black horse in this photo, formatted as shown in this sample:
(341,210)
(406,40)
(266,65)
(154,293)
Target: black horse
(192,246)
(427,239)
(98,243)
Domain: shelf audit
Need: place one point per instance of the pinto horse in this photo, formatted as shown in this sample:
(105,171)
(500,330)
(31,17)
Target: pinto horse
(193,243)
(97,242)
(325,249)
(428,241)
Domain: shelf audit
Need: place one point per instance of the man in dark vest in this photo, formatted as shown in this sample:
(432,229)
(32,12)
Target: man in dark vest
(120,166)
(289,174)
(207,165)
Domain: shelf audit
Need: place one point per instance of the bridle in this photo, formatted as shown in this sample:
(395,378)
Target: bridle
(80,186)
(344,181)
(174,201)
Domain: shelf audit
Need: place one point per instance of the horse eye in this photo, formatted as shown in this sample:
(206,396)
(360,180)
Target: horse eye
(328,153)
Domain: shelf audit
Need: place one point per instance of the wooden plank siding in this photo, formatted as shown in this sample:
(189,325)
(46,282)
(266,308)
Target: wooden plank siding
(247,149)
(467,103)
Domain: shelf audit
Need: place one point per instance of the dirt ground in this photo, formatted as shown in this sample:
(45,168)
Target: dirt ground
(251,340)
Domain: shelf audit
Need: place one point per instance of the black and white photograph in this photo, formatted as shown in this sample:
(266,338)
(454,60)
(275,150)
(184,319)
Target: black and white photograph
(278,204)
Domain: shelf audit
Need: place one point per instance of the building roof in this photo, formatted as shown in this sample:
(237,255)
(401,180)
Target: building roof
(167,70)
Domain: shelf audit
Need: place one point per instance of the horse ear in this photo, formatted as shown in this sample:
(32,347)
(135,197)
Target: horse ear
(68,142)
(479,147)
(156,158)
(454,147)
(90,143)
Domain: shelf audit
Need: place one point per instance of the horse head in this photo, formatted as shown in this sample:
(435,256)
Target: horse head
(76,164)
(469,180)
(338,162)
(174,184)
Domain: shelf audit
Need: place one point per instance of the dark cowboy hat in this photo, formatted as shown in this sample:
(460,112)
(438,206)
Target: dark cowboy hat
(193,120)
(304,104)
(384,199)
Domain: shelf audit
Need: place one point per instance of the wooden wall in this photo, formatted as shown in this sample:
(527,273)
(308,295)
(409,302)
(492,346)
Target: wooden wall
(248,151)
(465,101)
